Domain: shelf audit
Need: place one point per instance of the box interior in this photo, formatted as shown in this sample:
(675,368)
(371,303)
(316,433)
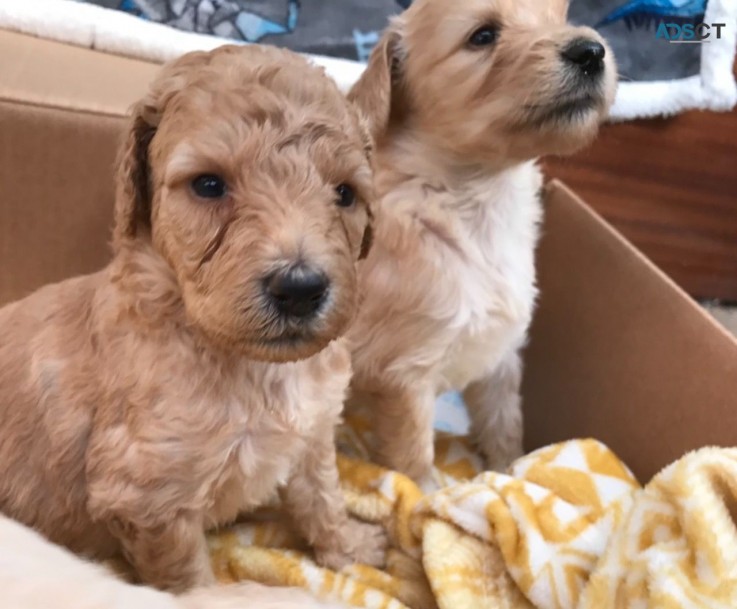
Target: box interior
(618,352)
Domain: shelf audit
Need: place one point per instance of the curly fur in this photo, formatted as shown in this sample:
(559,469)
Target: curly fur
(162,395)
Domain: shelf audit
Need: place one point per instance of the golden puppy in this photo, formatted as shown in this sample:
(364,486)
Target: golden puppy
(462,97)
(200,370)
(36,574)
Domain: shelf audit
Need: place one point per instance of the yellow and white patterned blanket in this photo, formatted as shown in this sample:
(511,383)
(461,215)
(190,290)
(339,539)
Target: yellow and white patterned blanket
(569,527)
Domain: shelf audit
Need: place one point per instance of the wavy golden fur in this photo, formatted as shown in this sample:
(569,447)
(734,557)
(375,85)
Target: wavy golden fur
(463,96)
(164,394)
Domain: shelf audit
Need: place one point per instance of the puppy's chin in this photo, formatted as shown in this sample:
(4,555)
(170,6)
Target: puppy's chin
(572,128)
(565,113)
(564,125)
(275,341)
(289,347)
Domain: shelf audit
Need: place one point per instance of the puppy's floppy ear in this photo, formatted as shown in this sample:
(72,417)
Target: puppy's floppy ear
(133,196)
(375,93)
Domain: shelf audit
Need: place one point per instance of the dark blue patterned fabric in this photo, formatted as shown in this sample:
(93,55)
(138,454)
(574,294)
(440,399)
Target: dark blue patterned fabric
(339,28)
(350,28)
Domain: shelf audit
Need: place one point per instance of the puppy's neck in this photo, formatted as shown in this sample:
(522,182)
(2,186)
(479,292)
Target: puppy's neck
(409,153)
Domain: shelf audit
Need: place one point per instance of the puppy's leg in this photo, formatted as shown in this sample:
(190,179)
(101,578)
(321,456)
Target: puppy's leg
(315,501)
(495,409)
(171,556)
(404,432)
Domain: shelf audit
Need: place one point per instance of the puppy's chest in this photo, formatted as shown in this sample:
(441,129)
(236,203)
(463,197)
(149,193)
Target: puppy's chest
(270,425)
(493,279)
(257,457)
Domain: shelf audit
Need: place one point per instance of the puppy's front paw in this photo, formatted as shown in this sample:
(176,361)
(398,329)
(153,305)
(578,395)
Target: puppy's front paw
(371,544)
(359,543)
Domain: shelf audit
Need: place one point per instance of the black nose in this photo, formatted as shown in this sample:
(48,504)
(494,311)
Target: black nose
(586,54)
(298,291)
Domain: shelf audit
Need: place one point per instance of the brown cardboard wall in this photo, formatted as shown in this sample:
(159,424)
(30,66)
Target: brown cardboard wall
(56,194)
(618,352)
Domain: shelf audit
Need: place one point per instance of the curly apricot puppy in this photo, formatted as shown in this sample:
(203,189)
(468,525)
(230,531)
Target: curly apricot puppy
(463,96)
(200,370)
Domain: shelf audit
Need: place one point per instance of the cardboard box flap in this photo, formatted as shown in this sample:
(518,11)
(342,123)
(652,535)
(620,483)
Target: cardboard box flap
(46,73)
(618,352)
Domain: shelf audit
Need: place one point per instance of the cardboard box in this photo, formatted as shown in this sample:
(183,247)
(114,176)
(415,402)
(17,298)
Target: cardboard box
(617,351)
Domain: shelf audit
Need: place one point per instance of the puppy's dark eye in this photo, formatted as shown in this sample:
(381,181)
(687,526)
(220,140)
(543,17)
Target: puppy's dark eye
(484,36)
(346,195)
(209,186)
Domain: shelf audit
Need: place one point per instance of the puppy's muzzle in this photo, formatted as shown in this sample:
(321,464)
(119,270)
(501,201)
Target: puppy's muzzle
(297,292)
(586,56)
